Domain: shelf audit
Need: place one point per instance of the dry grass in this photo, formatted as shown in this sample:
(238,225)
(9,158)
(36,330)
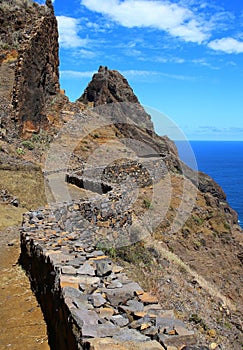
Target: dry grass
(10,216)
(26,184)
(209,287)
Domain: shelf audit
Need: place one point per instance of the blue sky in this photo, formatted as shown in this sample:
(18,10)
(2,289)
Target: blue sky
(182,58)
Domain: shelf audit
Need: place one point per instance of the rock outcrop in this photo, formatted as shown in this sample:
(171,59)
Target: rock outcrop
(109,86)
(29,64)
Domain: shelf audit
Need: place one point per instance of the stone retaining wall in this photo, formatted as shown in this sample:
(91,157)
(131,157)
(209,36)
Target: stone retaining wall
(140,173)
(87,300)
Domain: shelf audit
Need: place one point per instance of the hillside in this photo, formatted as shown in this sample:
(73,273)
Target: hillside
(178,236)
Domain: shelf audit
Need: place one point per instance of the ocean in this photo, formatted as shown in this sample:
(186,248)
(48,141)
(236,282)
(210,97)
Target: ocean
(223,161)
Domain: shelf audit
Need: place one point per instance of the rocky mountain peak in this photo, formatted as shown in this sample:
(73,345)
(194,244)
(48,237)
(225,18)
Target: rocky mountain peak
(108,86)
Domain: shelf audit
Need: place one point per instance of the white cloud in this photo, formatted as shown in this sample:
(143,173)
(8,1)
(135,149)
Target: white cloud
(133,52)
(148,74)
(87,53)
(204,63)
(77,75)
(139,73)
(68,28)
(89,74)
(228,45)
(218,130)
(94,26)
(178,77)
(174,19)
(178,60)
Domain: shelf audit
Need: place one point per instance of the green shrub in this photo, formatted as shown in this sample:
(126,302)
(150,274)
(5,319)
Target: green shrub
(20,151)
(135,253)
(4,46)
(28,144)
(41,138)
(195,318)
(198,220)
(147,203)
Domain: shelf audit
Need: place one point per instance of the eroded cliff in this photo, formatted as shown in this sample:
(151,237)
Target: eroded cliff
(29,65)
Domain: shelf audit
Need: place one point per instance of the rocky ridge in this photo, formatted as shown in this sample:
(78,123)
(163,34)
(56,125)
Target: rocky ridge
(29,65)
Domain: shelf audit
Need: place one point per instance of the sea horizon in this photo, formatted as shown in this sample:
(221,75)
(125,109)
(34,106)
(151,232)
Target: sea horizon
(223,161)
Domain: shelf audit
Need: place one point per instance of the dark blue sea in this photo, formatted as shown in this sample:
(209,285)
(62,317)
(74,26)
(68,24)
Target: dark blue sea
(223,161)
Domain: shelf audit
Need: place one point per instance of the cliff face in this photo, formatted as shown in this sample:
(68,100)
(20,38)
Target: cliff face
(29,64)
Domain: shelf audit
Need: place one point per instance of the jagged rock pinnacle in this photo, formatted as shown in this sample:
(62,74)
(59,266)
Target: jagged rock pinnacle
(49,4)
(108,86)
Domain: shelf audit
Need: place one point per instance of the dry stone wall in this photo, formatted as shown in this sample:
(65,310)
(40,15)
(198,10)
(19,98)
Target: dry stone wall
(139,173)
(88,301)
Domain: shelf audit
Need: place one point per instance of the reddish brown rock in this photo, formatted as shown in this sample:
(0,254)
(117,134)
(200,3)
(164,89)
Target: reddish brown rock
(107,343)
(148,298)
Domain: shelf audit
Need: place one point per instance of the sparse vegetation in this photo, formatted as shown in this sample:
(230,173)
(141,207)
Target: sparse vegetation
(195,318)
(111,251)
(96,135)
(84,148)
(28,144)
(227,325)
(136,253)
(4,45)
(197,220)
(42,137)
(197,245)
(37,142)
(20,151)
(26,184)
(147,203)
